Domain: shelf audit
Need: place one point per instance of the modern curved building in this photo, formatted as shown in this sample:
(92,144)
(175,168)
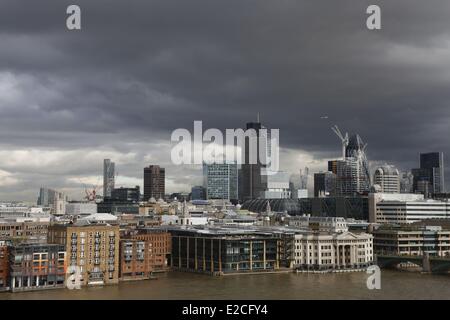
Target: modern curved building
(388,178)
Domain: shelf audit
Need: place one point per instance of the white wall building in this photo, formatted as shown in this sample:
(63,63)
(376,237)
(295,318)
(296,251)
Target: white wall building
(168,219)
(387,178)
(277,185)
(337,251)
(405,208)
(78,208)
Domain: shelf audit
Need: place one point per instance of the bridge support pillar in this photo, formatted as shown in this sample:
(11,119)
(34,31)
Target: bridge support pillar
(426,266)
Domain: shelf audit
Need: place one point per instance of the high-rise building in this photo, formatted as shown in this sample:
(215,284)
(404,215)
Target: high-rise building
(387,178)
(324,184)
(154,182)
(221,181)
(356,149)
(430,175)
(252,182)
(108,177)
(43,197)
(351,179)
(53,199)
(352,172)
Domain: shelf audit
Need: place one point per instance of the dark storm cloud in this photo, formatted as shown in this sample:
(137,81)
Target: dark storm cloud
(140,69)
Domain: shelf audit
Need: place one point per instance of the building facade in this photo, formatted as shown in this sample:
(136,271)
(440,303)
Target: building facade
(109,176)
(251,174)
(412,240)
(322,224)
(93,248)
(324,184)
(75,208)
(154,182)
(356,149)
(406,208)
(144,252)
(126,194)
(387,178)
(221,181)
(429,178)
(36,266)
(317,251)
(53,199)
(222,251)
(198,193)
(4,265)
(277,186)
(351,178)
(30,232)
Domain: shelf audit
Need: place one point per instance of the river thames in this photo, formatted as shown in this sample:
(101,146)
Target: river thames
(176,285)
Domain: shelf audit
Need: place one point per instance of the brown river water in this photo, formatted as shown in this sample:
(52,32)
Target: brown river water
(177,285)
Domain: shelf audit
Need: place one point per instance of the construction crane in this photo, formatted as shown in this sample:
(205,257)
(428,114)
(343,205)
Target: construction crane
(90,192)
(344,139)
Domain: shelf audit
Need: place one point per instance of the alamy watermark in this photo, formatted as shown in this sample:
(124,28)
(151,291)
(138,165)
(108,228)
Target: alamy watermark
(374,280)
(73,278)
(252,146)
(73,20)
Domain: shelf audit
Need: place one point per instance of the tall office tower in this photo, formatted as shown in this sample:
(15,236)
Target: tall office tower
(43,197)
(356,149)
(251,174)
(221,181)
(108,177)
(387,178)
(154,182)
(431,172)
(324,184)
(53,199)
(350,178)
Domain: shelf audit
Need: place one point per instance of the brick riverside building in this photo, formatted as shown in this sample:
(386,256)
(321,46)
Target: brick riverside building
(4,265)
(30,232)
(94,248)
(143,252)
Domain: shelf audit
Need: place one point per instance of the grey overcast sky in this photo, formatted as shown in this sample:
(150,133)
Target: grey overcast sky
(140,69)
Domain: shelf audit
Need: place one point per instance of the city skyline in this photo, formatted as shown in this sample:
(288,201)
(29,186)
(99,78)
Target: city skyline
(323,167)
(117,90)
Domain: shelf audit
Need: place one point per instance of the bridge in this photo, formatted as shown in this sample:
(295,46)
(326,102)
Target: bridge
(429,264)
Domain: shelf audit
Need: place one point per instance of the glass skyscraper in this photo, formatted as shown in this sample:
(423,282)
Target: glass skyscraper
(108,177)
(430,175)
(221,181)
